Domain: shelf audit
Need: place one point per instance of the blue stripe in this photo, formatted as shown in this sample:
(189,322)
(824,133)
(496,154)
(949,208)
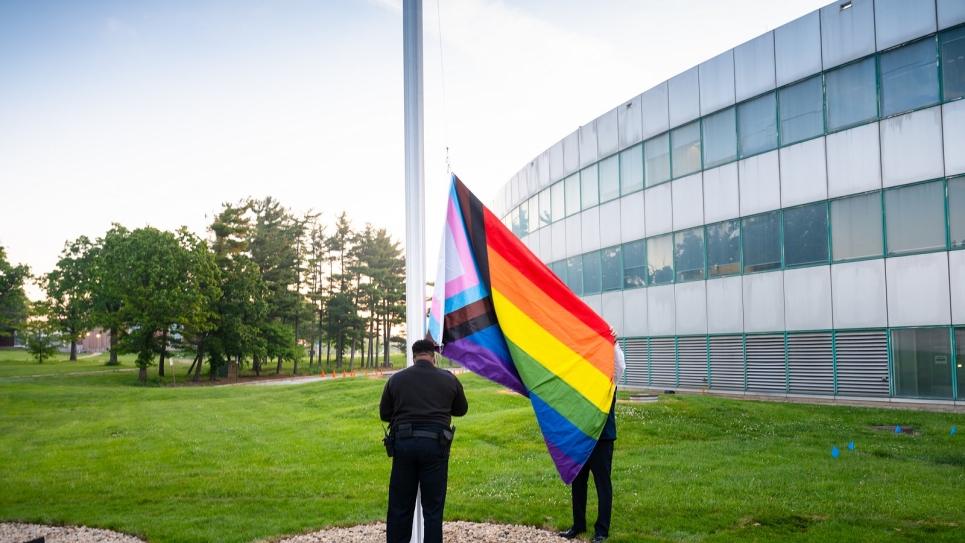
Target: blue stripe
(464,298)
(492,338)
(561,432)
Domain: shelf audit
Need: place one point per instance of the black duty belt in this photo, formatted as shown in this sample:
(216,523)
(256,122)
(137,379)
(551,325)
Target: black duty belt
(423,433)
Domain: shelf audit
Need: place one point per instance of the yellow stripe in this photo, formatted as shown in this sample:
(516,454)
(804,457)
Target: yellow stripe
(552,354)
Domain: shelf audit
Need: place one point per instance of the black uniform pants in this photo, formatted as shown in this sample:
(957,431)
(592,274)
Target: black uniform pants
(417,461)
(599,464)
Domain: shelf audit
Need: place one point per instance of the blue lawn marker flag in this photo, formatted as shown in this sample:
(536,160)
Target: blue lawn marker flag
(851,445)
(954,431)
(898,429)
(835,452)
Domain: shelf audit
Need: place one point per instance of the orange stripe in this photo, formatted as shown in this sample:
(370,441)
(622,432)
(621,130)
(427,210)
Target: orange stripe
(550,315)
(500,240)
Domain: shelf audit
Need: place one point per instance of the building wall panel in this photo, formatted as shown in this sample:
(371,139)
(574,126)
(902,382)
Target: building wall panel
(858,294)
(847,34)
(691,308)
(950,13)
(764,302)
(557,163)
(956,272)
(607,134)
(688,201)
(635,321)
(918,290)
(899,21)
(797,49)
(660,310)
(558,241)
(546,245)
(754,66)
(656,116)
(684,97)
(610,223)
(630,122)
(911,147)
(571,153)
(591,229)
(760,183)
(721,193)
(953,126)
(574,235)
(613,311)
(854,161)
(725,306)
(588,143)
(632,217)
(659,209)
(804,176)
(807,298)
(716,83)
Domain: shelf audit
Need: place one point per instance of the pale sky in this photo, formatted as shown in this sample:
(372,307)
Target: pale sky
(156,112)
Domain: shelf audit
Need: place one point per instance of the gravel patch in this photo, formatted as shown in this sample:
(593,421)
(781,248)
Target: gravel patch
(16,532)
(452,532)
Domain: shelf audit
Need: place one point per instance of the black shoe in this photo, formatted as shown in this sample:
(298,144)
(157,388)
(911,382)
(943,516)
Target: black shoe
(599,539)
(571,533)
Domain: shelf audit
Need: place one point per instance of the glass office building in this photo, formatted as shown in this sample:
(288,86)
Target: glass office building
(786,218)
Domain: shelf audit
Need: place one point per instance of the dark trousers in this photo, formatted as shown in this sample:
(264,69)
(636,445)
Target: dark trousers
(418,461)
(599,464)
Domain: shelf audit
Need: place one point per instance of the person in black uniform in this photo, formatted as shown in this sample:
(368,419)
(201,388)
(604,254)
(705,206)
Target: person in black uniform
(600,464)
(419,403)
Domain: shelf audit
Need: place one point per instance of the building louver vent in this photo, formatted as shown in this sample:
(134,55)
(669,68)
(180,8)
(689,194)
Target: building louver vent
(692,358)
(663,362)
(862,359)
(810,361)
(635,351)
(727,363)
(765,363)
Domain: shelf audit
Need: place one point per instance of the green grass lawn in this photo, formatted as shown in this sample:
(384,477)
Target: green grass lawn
(254,463)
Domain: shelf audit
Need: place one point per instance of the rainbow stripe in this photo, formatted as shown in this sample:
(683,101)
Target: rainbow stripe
(501,313)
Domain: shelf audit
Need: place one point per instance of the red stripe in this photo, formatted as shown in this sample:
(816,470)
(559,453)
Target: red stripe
(512,250)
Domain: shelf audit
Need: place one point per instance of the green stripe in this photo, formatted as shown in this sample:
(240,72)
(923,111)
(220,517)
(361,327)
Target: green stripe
(557,393)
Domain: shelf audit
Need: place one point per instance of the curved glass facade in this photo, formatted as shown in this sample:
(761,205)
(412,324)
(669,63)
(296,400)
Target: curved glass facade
(785,218)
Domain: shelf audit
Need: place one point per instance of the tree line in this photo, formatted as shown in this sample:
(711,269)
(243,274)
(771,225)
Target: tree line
(265,282)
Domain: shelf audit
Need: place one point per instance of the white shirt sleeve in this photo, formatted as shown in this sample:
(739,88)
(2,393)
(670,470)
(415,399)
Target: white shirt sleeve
(619,363)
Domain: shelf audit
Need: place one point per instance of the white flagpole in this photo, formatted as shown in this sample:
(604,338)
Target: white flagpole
(415,259)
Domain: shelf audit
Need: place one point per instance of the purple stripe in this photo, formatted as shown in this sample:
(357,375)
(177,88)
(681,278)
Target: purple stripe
(485,363)
(566,466)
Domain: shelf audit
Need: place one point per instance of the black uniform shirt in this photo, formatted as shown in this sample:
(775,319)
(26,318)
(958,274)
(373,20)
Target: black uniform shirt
(423,394)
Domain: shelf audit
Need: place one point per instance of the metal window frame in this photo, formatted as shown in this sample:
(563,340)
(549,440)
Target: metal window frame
(884,215)
(951,359)
(740,250)
(703,242)
(827,226)
(938,71)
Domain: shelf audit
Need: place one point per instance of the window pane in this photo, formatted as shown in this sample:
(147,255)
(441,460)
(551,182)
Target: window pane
(802,111)
(574,274)
(631,169)
(660,260)
(757,125)
(559,268)
(612,269)
(960,356)
(592,274)
(856,227)
(524,218)
(656,153)
(852,94)
(762,242)
(909,77)
(923,363)
(635,264)
(686,149)
(953,68)
(572,199)
(610,179)
(956,214)
(723,249)
(514,218)
(545,210)
(534,214)
(589,191)
(556,194)
(720,138)
(806,235)
(915,218)
(689,254)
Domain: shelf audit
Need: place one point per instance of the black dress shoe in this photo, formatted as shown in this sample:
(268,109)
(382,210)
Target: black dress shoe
(599,539)
(571,533)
